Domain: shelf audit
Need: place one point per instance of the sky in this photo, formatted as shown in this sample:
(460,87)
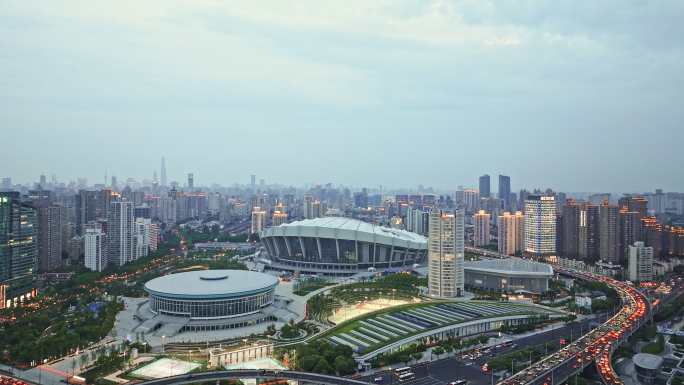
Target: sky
(573,95)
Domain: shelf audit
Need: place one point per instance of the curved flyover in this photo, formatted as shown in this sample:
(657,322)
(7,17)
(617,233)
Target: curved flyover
(595,347)
(261,374)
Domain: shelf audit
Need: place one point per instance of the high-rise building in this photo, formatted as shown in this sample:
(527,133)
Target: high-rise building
(540,226)
(279,217)
(505,191)
(312,208)
(85,205)
(141,237)
(154,236)
(511,233)
(570,214)
(481,221)
(163,172)
(640,267)
(252,182)
(50,228)
(120,232)
(445,254)
(609,233)
(191,181)
(95,253)
(636,204)
(588,248)
(258,220)
(485,186)
(18,249)
(630,230)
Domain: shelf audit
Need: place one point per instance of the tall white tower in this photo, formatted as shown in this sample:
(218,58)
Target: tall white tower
(445,254)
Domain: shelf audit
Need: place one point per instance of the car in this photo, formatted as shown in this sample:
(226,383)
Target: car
(378,380)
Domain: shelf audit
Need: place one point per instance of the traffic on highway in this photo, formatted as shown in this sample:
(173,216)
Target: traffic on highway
(596,346)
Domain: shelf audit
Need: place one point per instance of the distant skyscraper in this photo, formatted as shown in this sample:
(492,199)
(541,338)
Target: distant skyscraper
(43,181)
(481,221)
(609,233)
(540,226)
(636,204)
(163,172)
(485,190)
(191,181)
(640,266)
(279,217)
(50,223)
(258,220)
(85,205)
(120,232)
(253,182)
(472,200)
(308,208)
(445,254)
(511,232)
(18,248)
(505,191)
(95,250)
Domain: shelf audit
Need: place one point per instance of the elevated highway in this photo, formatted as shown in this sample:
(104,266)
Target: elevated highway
(597,346)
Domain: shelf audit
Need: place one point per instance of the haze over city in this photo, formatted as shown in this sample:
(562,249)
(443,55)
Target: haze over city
(578,97)
(315,192)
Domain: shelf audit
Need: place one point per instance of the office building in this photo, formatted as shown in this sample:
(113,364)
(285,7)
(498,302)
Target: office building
(120,233)
(505,191)
(85,205)
(485,190)
(481,221)
(258,220)
(640,266)
(511,231)
(445,254)
(540,226)
(95,250)
(18,249)
(609,233)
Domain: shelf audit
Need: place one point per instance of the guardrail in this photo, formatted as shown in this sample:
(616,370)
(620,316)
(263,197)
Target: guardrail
(260,374)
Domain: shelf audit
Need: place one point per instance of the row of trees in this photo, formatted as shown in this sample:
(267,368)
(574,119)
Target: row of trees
(322,357)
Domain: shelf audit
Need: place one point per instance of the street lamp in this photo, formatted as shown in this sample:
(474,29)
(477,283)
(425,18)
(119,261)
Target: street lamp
(162,341)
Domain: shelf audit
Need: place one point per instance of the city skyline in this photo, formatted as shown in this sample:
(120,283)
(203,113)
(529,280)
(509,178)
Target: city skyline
(360,94)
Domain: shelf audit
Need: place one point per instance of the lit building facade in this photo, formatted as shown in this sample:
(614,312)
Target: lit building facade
(258,220)
(445,254)
(95,250)
(481,221)
(640,267)
(540,226)
(511,233)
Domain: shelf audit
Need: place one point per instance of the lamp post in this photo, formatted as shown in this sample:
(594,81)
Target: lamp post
(162,341)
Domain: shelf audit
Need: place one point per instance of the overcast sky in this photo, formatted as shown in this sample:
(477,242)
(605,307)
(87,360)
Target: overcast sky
(573,95)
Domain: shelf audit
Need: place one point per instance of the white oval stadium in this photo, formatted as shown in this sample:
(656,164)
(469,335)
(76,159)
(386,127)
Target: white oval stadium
(211,294)
(339,246)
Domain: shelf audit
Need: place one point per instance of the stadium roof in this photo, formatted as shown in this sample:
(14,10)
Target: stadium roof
(349,229)
(510,266)
(211,283)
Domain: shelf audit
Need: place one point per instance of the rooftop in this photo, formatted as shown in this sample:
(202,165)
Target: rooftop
(510,266)
(647,361)
(208,283)
(346,228)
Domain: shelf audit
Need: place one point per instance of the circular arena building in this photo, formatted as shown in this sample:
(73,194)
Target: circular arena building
(340,246)
(209,300)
